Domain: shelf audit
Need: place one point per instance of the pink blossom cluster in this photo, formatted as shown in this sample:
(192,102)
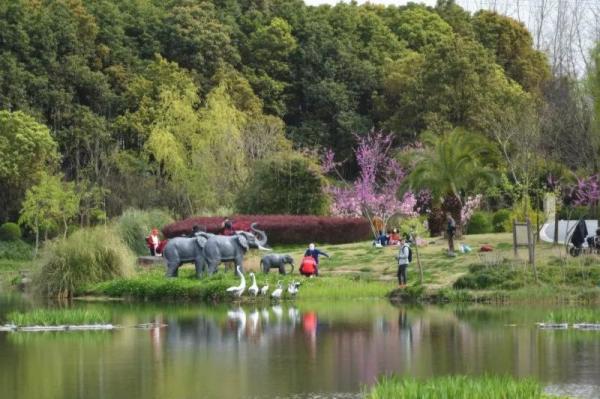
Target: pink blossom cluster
(374,193)
(586,191)
(469,207)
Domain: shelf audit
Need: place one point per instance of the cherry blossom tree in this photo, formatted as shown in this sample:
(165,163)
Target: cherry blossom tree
(374,192)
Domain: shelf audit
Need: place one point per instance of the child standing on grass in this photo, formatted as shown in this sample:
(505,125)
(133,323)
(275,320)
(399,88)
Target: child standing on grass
(403,262)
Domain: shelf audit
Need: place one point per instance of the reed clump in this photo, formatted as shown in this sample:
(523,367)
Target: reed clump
(57,317)
(87,256)
(574,315)
(485,387)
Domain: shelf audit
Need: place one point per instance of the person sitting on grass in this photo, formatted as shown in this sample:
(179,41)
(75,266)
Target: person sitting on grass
(403,262)
(314,252)
(394,238)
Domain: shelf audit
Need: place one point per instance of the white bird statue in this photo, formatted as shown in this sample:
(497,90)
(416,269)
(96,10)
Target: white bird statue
(253,290)
(264,289)
(278,291)
(238,290)
(293,288)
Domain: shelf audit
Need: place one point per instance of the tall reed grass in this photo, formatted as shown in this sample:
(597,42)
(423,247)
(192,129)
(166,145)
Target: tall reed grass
(87,256)
(58,317)
(134,226)
(574,315)
(487,387)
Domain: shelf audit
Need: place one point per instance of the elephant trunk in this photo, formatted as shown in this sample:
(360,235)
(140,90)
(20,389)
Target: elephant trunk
(261,238)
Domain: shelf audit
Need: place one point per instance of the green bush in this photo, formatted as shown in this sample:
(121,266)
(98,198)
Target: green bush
(134,226)
(577,212)
(499,220)
(88,256)
(10,232)
(15,250)
(520,212)
(481,277)
(287,184)
(480,223)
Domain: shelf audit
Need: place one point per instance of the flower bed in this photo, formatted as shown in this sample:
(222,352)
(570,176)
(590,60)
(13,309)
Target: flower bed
(284,229)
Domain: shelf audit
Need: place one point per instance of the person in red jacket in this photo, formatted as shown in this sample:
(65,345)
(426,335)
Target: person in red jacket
(153,241)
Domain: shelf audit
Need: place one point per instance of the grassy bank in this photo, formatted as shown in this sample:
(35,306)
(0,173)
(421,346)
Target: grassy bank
(152,285)
(457,387)
(360,270)
(57,317)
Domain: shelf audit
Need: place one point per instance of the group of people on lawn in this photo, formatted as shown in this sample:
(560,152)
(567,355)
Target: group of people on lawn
(404,257)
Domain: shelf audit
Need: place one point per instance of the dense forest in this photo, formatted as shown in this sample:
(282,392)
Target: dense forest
(180,104)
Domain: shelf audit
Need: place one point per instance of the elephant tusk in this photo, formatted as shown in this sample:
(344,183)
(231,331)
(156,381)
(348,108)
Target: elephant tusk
(264,249)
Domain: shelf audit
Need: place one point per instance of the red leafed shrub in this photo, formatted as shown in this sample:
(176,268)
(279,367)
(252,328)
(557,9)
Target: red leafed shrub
(283,229)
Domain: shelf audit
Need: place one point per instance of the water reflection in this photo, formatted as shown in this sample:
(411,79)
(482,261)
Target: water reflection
(284,350)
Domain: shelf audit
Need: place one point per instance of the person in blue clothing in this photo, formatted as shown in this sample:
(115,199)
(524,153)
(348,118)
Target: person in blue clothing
(314,252)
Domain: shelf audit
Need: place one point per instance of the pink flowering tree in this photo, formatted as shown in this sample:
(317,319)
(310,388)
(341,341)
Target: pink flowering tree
(374,192)
(469,207)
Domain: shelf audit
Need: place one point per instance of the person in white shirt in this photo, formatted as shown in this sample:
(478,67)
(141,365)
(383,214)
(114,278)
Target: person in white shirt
(403,261)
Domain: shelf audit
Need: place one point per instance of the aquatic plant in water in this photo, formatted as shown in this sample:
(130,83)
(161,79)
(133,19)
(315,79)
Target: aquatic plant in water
(485,387)
(57,317)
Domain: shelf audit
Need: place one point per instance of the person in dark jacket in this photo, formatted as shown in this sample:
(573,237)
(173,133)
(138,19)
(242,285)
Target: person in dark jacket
(314,252)
(450,231)
(227,227)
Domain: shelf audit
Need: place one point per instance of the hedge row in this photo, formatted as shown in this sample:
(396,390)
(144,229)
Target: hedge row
(283,229)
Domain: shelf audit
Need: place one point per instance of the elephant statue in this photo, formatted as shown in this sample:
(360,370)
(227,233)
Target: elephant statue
(180,250)
(208,250)
(232,248)
(272,261)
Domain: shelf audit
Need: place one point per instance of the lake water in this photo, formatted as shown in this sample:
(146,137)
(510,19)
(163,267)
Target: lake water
(307,350)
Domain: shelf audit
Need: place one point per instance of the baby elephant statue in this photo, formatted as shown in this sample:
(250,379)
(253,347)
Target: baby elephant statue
(271,261)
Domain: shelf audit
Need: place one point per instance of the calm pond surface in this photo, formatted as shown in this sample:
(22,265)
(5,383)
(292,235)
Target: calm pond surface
(307,350)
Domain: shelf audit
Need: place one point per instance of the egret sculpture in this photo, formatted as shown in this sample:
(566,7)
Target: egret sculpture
(293,288)
(278,291)
(264,289)
(253,290)
(238,290)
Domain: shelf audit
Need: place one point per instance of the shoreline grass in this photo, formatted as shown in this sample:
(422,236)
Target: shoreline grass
(485,387)
(58,317)
(152,285)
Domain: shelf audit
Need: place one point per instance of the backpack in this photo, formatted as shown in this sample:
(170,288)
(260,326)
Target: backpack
(409,253)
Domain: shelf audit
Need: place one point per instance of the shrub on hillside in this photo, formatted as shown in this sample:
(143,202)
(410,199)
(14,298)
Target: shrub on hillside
(87,256)
(499,220)
(480,223)
(15,250)
(10,232)
(284,229)
(285,184)
(134,226)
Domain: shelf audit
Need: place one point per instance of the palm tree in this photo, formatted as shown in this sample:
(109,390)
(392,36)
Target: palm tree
(451,166)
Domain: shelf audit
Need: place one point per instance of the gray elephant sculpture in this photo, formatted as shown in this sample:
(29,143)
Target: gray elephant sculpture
(210,250)
(278,261)
(181,250)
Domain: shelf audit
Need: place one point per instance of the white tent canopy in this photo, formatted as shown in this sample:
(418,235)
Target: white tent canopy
(565,229)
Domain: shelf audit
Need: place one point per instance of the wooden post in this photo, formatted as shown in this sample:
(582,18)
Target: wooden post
(419,262)
(515,236)
(531,248)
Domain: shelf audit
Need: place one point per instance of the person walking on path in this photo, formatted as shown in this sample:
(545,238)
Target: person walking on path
(450,231)
(403,257)
(314,252)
